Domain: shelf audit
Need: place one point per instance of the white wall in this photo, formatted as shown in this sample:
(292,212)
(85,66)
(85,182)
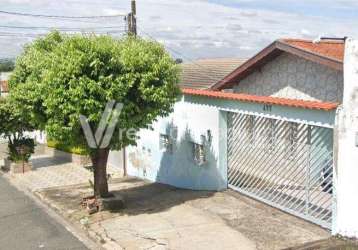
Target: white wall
(115,159)
(178,168)
(346,219)
(5,75)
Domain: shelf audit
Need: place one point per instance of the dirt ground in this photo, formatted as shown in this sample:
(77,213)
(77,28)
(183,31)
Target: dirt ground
(162,217)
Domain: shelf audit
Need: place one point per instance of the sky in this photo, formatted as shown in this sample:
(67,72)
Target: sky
(189,29)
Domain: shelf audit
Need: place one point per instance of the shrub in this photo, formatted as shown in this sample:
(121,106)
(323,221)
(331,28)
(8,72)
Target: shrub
(67,147)
(14,122)
(15,147)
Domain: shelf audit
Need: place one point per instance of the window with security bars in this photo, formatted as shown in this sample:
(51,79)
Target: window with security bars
(199,154)
(165,143)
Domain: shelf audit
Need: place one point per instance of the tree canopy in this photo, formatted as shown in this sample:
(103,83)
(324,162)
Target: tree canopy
(60,77)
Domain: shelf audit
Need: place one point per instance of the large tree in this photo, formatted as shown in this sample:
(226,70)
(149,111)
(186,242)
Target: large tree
(61,77)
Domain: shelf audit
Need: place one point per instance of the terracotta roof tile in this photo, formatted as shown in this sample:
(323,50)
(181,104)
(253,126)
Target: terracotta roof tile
(204,73)
(333,49)
(326,106)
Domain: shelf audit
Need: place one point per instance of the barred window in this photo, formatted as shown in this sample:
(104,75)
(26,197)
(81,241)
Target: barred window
(199,154)
(165,143)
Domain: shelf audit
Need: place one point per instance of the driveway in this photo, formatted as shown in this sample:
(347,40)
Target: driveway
(23,225)
(158,216)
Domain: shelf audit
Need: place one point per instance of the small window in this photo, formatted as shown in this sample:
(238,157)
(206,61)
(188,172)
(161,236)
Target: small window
(165,143)
(199,154)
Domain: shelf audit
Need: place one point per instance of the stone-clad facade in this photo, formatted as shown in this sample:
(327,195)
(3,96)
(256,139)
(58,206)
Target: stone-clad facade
(290,76)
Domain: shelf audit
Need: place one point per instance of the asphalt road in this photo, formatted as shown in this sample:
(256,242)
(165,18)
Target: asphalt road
(24,225)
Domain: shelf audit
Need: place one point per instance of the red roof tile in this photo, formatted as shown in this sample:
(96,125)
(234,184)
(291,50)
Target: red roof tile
(326,106)
(333,49)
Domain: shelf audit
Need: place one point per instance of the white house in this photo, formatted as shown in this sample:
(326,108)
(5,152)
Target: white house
(266,128)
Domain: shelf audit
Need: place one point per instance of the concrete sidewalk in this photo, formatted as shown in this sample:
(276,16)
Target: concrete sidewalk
(162,217)
(49,171)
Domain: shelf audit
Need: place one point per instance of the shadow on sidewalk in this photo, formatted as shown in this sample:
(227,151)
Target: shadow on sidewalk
(154,197)
(48,161)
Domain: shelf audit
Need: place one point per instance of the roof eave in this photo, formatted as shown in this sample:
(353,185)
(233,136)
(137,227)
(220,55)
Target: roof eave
(269,53)
(311,56)
(324,106)
(247,67)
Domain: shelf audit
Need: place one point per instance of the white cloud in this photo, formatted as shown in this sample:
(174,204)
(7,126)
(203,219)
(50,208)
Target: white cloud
(195,28)
(111,12)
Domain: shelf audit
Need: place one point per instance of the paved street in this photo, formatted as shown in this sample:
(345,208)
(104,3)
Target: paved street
(23,225)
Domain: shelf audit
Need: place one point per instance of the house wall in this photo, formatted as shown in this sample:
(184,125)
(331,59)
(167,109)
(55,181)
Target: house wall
(4,76)
(346,171)
(194,116)
(177,168)
(290,76)
(115,159)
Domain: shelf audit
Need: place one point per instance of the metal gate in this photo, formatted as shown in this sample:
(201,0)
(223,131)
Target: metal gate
(284,164)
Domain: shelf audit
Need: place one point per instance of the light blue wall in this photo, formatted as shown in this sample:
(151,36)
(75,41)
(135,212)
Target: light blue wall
(194,116)
(177,168)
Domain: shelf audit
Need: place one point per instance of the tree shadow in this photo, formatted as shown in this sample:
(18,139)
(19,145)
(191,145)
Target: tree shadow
(178,167)
(153,198)
(179,178)
(48,161)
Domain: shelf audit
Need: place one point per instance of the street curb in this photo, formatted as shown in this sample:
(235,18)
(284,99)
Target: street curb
(76,231)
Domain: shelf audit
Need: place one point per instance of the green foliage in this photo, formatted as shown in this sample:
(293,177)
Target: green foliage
(15,147)
(63,146)
(60,77)
(7,65)
(14,120)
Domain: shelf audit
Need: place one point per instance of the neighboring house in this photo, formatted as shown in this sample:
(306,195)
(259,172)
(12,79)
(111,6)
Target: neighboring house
(4,87)
(263,128)
(204,73)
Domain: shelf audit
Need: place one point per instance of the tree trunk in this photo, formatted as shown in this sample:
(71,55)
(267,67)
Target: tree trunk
(99,161)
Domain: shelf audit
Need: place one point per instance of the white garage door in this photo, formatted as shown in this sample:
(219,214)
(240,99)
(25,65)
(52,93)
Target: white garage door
(284,164)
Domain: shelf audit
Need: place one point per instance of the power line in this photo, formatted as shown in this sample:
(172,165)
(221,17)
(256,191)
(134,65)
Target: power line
(60,17)
(61,28)
(35,35)
(185,57)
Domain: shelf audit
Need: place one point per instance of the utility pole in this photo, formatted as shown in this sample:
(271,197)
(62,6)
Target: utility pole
(132,19)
